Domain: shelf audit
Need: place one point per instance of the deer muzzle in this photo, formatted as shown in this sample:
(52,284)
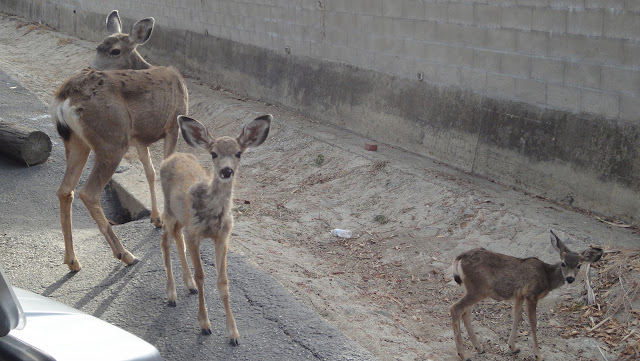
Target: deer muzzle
(226,173)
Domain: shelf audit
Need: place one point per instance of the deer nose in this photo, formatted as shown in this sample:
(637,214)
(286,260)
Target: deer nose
(570,279)
(226,172)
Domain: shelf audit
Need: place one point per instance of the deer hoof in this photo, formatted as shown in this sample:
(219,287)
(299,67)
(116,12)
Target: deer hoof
(157,221)
(206,331)
(515,351)
(74,265)
(193,291)
(171,303)
(234,341)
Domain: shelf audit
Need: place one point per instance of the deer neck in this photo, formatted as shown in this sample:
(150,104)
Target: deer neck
(220,194)
(554,272)
(138,62)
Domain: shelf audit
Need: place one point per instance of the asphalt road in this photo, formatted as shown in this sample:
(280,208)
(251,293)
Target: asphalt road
(272,324)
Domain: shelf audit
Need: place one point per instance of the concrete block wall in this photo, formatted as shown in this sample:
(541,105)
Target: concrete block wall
(537,68)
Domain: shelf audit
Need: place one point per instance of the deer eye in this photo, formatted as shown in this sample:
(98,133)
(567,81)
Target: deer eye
(238,155)
(564,264)
(214,155)
(114,52)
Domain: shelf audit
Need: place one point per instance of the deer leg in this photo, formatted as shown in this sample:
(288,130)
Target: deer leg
(457,312)
(104,166)
(170,288)
(76,153)
(150,172)
(186,272)
(203,316)
(223,286)
(517,317)
(171,139)
(533,322)
(466,317)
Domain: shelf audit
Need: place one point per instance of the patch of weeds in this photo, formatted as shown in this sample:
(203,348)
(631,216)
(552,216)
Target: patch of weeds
(319,160)
(381,219)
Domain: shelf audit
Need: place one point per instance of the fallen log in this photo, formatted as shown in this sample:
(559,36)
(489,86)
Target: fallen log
(24,144)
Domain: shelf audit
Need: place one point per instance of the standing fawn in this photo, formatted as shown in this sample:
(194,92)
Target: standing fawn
(106,112)
(201,204)
(501,277)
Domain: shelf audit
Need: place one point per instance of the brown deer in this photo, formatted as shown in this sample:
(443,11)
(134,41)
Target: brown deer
(108,111)
(501,277)
(201,204)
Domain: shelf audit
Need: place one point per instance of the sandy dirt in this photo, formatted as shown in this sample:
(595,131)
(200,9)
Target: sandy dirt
(386,287)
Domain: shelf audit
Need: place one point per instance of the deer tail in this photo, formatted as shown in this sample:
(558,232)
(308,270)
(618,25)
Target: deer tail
(457,271)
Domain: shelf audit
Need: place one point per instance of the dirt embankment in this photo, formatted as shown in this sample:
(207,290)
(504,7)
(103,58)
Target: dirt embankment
(385,288)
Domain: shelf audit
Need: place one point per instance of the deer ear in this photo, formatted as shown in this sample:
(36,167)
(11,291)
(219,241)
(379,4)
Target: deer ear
(194,132)
(141,31)
(557,243)
(255,132)
(592,255)
(114,25)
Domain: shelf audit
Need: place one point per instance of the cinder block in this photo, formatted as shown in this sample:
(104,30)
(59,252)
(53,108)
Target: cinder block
(517,17)
(392,9)
(624,25)
(549,70)
(599,50)
(564,97)
(549,20)
(601,103)
(531,91)
(475,79)
(367,7)
(632,5)
(489,16)
(385,44)
(585,22)
(629,107)
(532,42)
(412,9)
(515,64)
(406,28)
(501,39)
(435,11)
(586,75)
(460,13)
(501,85)
(336,5)
(338,21)
(622,80)
(631,53)
(415,48)
(440,74)
(616,5)
(383,25)
(461,34)
(487,60)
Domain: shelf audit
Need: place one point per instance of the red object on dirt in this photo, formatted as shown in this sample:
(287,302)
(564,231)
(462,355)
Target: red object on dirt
(371,147)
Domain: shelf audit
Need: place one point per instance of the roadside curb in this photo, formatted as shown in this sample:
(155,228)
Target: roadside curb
(132,188)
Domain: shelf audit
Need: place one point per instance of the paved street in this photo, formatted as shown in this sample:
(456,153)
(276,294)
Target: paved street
(272,325)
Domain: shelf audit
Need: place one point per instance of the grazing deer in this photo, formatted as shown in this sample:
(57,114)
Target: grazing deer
(501,277)
(201,204)
(106,112)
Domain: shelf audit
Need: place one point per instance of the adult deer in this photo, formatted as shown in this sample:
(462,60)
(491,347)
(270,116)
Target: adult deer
(501,277)
(106,112)
(201,204)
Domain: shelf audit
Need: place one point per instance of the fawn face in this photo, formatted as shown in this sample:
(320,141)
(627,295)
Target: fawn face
(571,261)
(225,153)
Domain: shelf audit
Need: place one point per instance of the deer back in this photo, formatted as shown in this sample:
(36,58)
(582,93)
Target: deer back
(504,277)
(137,106)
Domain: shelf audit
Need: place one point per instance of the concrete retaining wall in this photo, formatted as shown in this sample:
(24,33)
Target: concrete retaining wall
(541,94)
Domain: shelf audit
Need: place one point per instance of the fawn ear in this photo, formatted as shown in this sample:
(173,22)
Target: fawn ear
(114,25)
(557,243)
(255,132)
(141,31)
(592,255)
(194,132)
